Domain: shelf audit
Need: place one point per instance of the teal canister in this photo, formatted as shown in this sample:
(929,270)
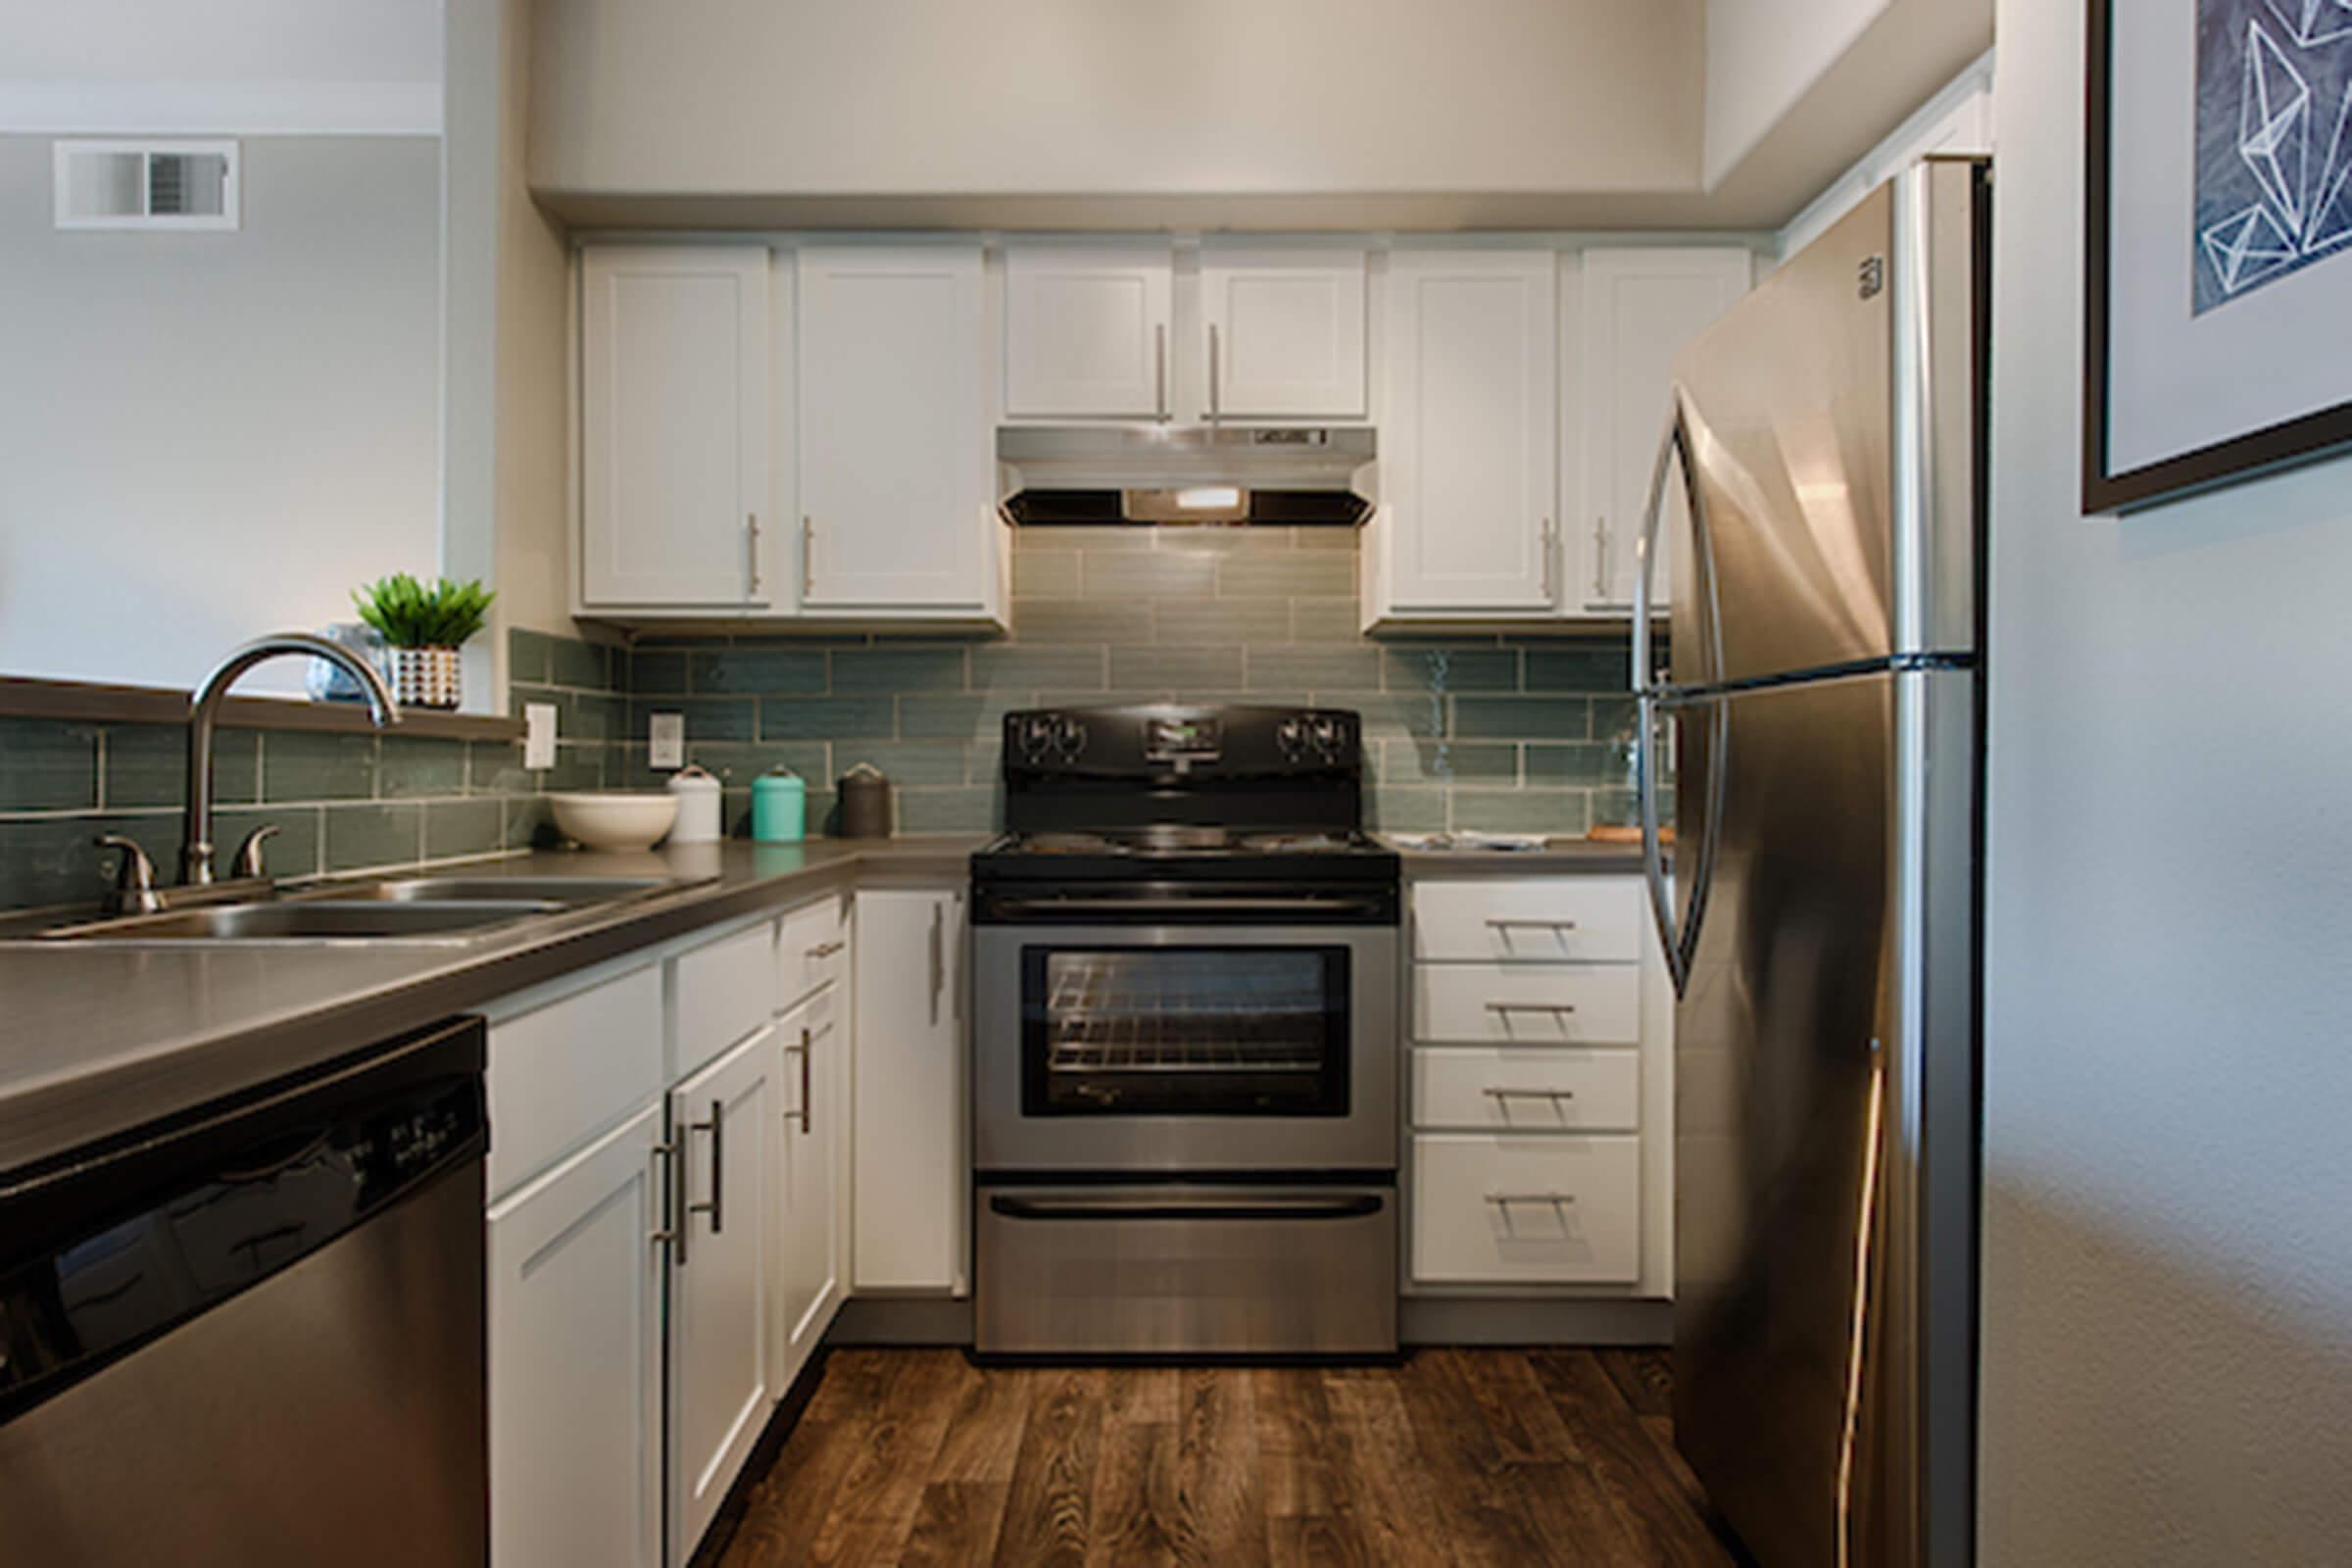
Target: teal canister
(779,807)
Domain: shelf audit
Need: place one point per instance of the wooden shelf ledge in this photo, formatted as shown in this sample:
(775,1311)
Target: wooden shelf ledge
(96,703)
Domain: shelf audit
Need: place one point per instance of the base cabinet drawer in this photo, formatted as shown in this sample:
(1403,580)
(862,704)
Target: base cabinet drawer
(1527,1211)
(1530,1089)
(1577,920)
(813,950)
(1527,1004)
(558,1074)
(726,989)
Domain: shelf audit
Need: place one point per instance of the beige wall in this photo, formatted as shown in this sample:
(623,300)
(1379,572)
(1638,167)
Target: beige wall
(1762,55)
(1205,96)
(2167,1287)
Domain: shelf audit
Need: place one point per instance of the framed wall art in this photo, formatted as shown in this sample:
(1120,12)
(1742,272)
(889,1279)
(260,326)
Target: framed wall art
(2217,338)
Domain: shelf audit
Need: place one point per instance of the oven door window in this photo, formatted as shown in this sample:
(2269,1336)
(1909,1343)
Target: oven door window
(1184,1031)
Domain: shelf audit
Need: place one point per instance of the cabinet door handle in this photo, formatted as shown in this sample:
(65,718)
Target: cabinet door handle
(666,1235)
(825,950)
(808,557)
(672,1155)
(751,529)
(938,958)
(1214,398)
(716,1208)
(1600,559)
(1159,371)
(807,1041)
(1551,549)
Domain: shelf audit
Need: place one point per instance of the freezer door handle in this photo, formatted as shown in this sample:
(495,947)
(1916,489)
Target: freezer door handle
(1675,446)
(1680,936)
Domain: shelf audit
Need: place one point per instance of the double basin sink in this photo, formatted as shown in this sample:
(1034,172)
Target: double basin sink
(423,909)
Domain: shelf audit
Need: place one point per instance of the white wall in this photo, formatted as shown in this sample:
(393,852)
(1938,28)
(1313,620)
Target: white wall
(2167,1227)
(1762,55)
(212,435)
(1136,96)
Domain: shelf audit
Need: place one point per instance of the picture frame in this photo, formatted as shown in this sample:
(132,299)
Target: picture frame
(2232,275)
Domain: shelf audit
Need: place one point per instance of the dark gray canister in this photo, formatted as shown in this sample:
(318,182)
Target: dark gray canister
(864,802)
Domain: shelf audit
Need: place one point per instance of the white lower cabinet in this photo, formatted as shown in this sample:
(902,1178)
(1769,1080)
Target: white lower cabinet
(575,1358)
(725,1128)
(1527,1211)
(813,1194)
(912,1182)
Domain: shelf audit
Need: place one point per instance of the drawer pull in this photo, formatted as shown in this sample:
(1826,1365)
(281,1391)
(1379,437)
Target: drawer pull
(1506,1199)
(1513,923)
(1507,1007)
(825,950)
(1494,1093)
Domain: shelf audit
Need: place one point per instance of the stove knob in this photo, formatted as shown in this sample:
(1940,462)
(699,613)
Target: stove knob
(1291,736)
(1035,737)
(1330,735)
(1069,738)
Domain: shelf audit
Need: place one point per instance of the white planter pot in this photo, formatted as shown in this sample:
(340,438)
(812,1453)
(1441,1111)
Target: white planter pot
(424,677)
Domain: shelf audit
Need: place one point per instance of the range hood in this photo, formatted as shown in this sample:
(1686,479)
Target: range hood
(1292,475)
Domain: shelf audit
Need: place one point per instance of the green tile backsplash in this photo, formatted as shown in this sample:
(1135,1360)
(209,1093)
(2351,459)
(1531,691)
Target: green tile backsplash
(1507,734)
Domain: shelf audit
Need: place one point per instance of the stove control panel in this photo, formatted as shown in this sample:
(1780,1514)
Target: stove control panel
(1195,743)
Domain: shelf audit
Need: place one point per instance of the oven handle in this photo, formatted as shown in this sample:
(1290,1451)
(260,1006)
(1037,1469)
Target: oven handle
(1207,1209)
(1178,908)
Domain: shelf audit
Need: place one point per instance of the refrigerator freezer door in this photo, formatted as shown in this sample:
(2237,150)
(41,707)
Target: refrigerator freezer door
(1823,1055)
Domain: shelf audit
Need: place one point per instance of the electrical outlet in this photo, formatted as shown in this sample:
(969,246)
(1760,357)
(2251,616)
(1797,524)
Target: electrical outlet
(538,734)
(666,741)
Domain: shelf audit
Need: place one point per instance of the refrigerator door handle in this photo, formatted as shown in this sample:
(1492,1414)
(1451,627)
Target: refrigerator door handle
(1678,937)
(1674,445)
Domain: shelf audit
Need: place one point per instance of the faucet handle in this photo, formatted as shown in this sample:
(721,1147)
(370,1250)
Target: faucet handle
(248,863)
(135,879)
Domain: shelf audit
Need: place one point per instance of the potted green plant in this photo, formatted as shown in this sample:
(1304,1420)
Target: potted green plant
(422,628)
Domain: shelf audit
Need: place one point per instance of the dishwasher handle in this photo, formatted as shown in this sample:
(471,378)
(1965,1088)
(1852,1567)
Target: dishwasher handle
(1359,1205)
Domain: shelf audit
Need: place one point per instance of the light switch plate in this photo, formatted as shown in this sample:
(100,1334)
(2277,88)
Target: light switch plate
(538,734)
(666,741)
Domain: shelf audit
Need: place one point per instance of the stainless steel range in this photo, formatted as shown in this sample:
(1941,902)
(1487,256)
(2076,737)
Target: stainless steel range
(1185,1052)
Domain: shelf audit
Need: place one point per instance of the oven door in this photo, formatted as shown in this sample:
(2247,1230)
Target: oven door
(1185,1049)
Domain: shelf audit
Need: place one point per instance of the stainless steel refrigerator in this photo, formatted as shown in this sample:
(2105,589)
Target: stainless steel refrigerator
(1822,489)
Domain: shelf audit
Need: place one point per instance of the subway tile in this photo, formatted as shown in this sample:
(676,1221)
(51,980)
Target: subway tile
(1390,810)
(494,768)
(530,655)
(1428,762)
(899,669)
(1326,620)
(46,765)
(463,827)
(1046,573)
(576,767)
(528,823)
(1546,719)
(1183,670)
(411,767)
(1449,669)
(1615,719)
(1387,714)
(1199,621)
(1621,808)
(907,763)
(659,669)
(593,717)
(376,834)
(819,718)
(1116,574)
(1007,667)
(1347,541)
(300,765)
(1562,814)
(1211,539)
(147,764)
(970,809)
(958,718)
(1112,537)
(708,718)
(582,665)
(758,669)
(1072,620)
(293,851)
(1600,670)
(1313,666)
(50,859)
(1297,574)
(1579,763)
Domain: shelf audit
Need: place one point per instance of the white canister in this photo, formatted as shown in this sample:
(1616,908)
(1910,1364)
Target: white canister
(698,805)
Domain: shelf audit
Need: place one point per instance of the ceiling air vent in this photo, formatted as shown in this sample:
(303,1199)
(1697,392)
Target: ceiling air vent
(146,185)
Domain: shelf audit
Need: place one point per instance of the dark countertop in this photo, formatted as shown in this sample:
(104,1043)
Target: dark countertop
(97,1038)
(1559,858)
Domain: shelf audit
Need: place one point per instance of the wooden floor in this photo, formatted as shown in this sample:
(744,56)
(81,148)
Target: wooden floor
(1457,1458)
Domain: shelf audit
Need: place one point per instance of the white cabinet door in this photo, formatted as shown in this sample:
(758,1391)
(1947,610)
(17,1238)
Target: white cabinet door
(1086,331)
(1468,435)
(1640,307)
(909,1191)
(1283,332)
(674,421)
(895,455)
(575,1358)
(725,1124)
(809,1258)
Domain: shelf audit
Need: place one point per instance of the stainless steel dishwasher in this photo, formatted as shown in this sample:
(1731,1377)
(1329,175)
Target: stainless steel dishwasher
(253,1334)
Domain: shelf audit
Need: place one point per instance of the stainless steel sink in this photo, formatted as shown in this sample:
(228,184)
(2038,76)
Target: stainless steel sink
(563,890)
(318,919)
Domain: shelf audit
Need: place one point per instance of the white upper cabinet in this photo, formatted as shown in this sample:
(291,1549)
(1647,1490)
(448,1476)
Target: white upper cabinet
(1640,307)
(1283,334)
(1469,434)
(675,422)
(1086,331)
(895,456)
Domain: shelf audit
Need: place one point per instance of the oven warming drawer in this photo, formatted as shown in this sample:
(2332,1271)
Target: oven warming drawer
(1197,1269)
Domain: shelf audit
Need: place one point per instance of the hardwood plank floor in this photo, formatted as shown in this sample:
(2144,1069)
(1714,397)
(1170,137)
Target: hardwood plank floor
(1457,1458)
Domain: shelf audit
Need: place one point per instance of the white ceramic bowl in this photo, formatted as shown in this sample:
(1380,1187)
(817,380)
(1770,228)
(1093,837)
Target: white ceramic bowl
(614,819)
